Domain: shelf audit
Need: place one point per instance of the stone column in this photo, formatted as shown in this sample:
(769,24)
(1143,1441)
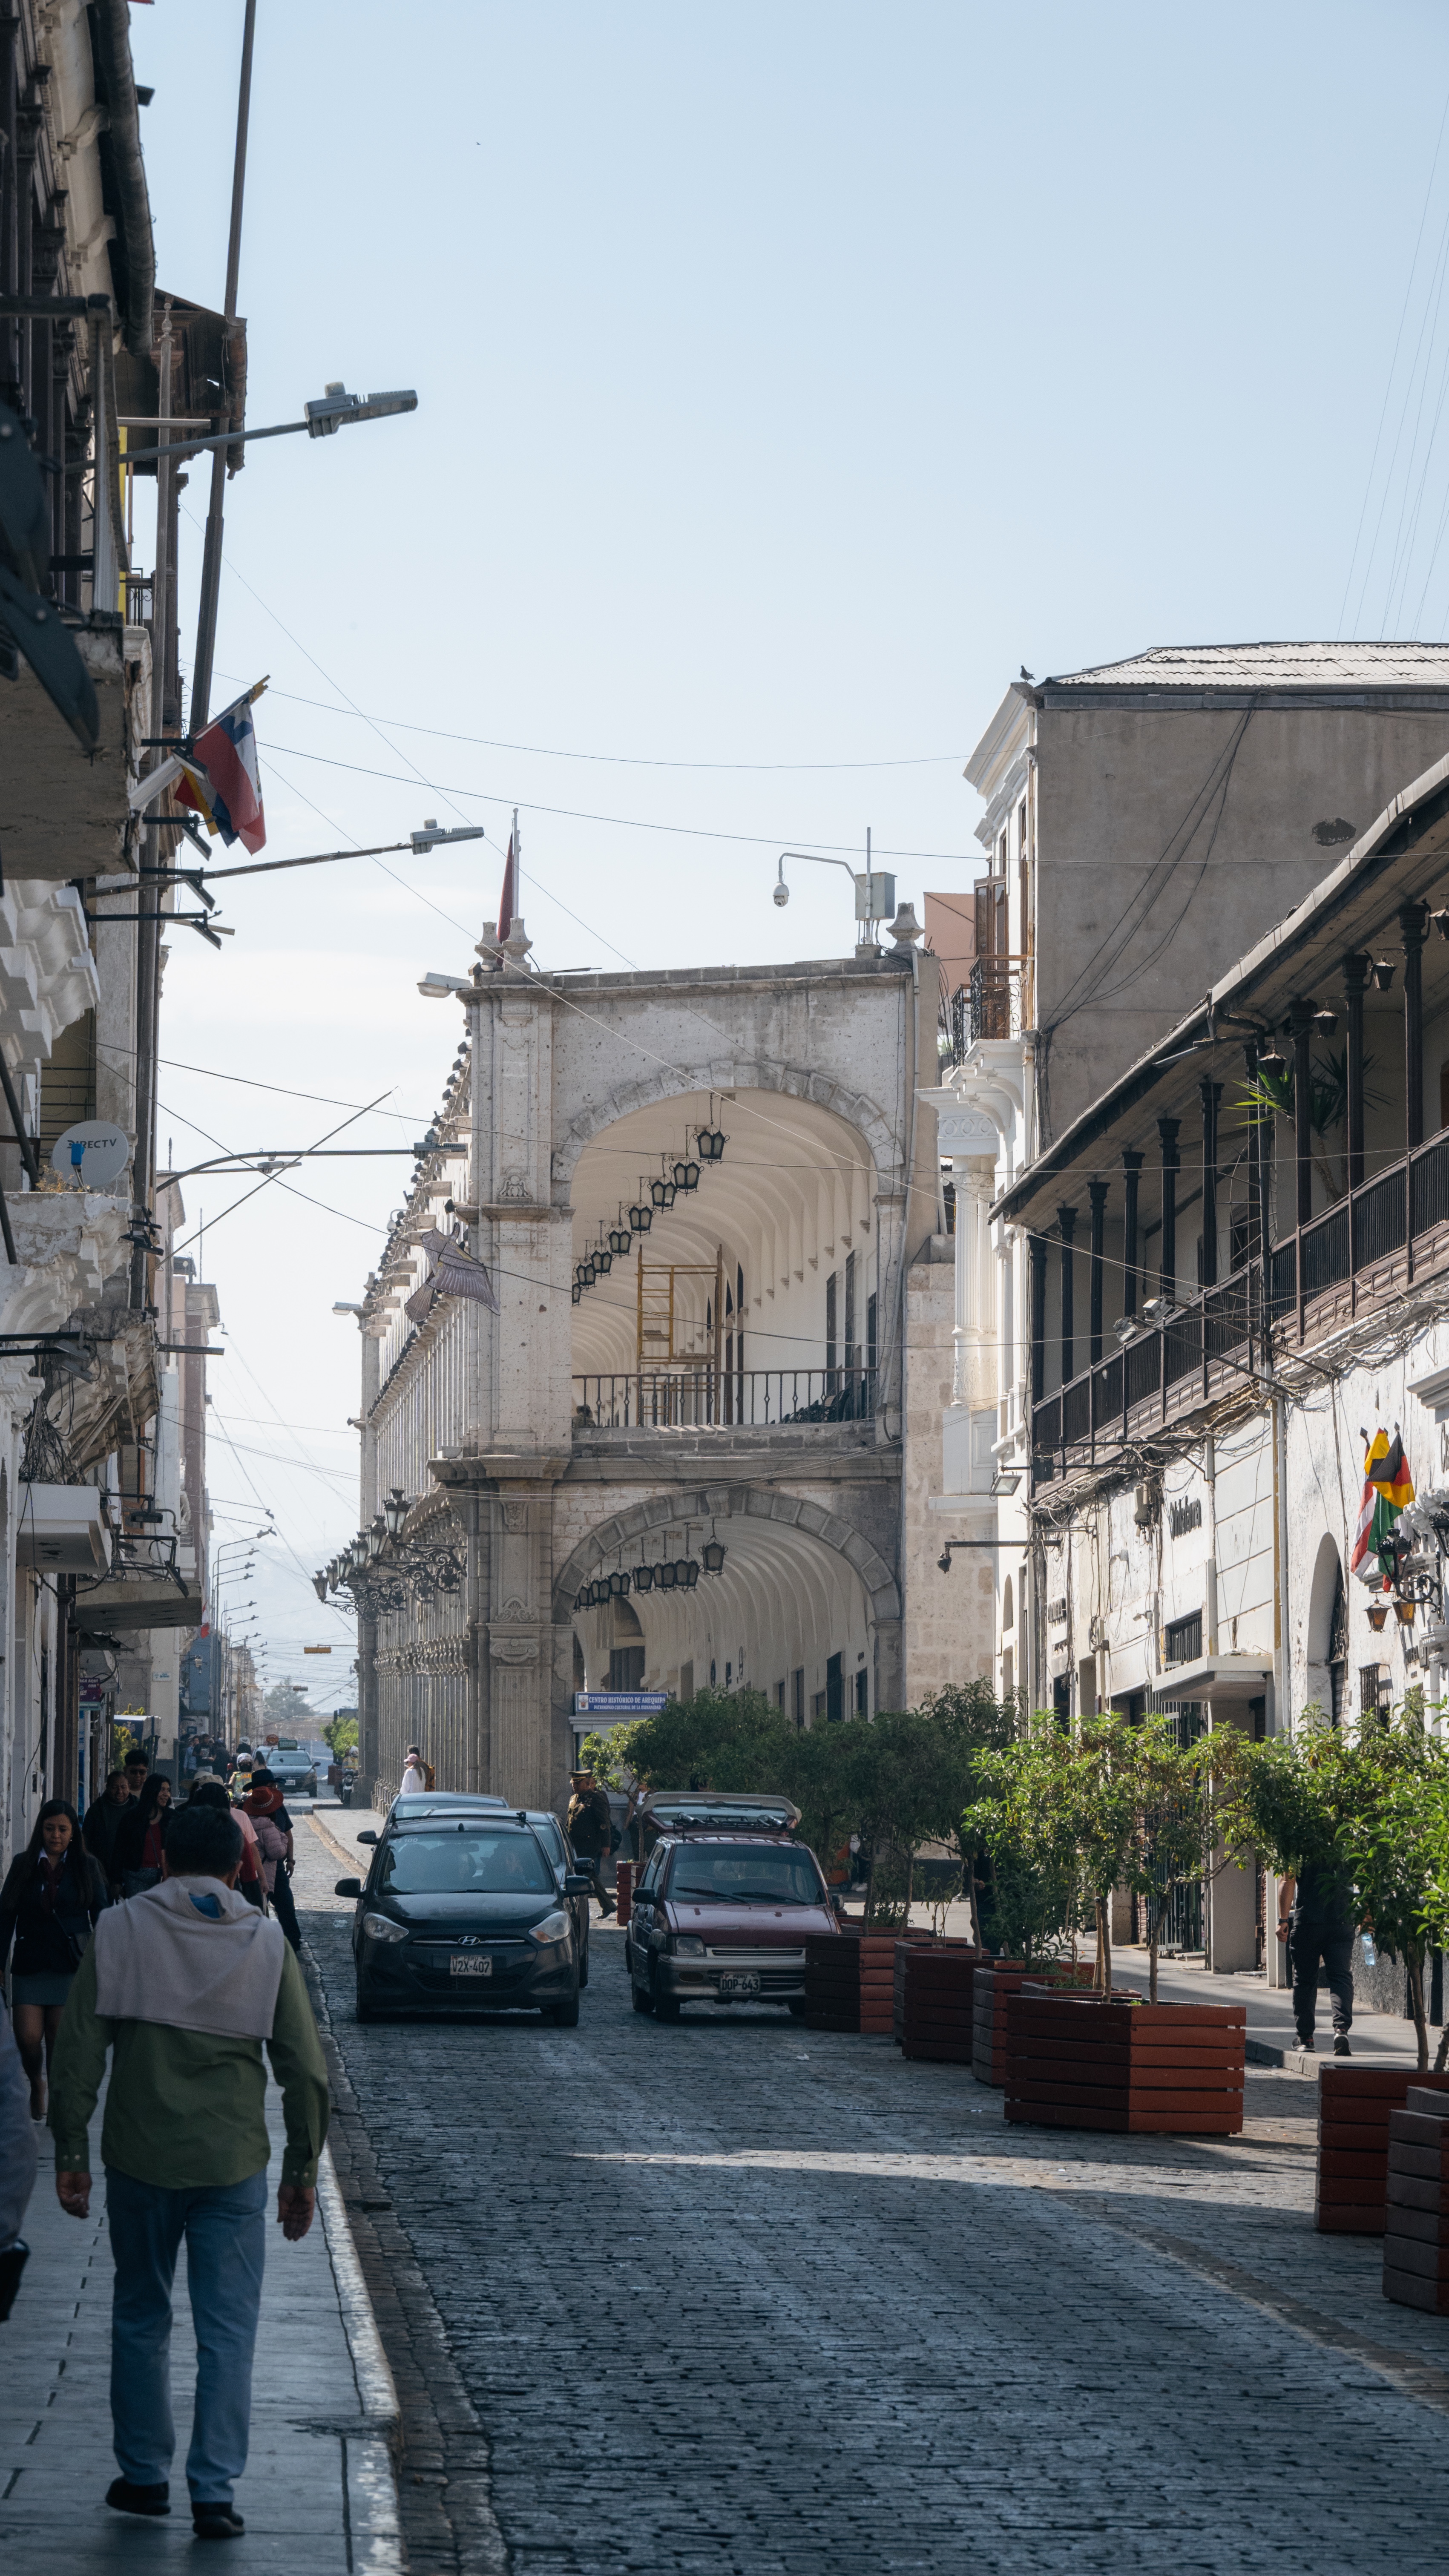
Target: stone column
(1210,1093)
(974,1179)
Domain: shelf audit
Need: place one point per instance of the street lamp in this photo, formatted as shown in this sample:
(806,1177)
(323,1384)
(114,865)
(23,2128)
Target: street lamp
(395,1511)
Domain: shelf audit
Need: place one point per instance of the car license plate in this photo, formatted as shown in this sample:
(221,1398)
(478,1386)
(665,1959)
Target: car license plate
(737,1986)
(459,1966)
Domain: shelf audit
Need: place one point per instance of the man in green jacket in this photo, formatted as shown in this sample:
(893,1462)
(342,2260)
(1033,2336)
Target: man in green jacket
(183,1985)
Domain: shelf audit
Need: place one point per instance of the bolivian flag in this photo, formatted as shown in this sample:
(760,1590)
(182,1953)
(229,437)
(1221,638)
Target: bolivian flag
(1387,1487)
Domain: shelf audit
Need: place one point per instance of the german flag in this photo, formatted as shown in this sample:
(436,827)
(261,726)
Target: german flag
(1387,1487)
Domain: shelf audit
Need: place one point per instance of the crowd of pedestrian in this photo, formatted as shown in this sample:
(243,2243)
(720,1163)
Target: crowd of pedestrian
(160,1934)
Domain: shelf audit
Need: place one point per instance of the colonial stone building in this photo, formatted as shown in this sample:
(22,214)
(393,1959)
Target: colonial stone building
(671,1453)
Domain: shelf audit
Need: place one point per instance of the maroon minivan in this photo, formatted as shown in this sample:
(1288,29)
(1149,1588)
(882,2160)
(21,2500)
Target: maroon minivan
(725,1904)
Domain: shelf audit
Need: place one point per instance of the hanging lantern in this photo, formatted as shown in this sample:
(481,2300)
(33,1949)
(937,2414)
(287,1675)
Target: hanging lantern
(1378,1612)
(618,1239)
(681,1573)
(641,1218)
(714,1556)
(576,1294)
(1404,1613)
(666,1575)
(662,1193)
(603,1263)
(643,1578)
(688,1573)
(395,1511)
(581,1601)
(319,1586)
(709,1144)
(686,1175)
(618,1585)
(375,1537)
(590,1272)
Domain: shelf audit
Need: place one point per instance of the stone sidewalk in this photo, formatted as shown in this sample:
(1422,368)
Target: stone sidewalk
(319,2488)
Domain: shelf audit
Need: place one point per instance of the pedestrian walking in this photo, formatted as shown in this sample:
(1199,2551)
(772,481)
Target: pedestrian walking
(415,1780)
(103,1823)
(273,1828)
(52,1897)
(182,1988)
(138,1770)
(250,1882)
(141,1838)
(591,1831)
(1317,1917)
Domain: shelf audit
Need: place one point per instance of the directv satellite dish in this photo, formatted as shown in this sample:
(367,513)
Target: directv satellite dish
(91,1155)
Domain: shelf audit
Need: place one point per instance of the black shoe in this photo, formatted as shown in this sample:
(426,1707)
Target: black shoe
(1340,2044)
(607,1907)
(1308,2045)
(129,2499)
(216,2522)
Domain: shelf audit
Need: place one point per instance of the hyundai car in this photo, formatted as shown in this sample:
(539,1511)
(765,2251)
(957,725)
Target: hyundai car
(463,1910)
(725,1905)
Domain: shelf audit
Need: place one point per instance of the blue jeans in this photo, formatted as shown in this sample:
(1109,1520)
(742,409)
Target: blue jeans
(226,2246)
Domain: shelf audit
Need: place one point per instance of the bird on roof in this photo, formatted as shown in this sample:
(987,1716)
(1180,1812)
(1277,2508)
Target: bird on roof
(1028,675)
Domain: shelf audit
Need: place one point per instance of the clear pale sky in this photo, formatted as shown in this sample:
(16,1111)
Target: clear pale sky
(788,377)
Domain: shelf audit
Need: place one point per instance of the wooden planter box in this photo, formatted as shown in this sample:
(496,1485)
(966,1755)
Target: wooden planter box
(1355,2107)
(934,2000)
(990,1994)
(850,1981)
(1416,2233)
(1078,2062)
(624,1888)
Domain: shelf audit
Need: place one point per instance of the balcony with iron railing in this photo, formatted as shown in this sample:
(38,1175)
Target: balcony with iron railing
(1388,1236)
(718,1399)
(992,1003)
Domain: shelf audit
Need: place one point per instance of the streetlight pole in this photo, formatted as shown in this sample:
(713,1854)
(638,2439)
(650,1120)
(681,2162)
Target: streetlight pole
(211,556)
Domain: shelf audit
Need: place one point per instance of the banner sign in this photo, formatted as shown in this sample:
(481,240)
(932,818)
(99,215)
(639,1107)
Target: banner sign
(619,1703)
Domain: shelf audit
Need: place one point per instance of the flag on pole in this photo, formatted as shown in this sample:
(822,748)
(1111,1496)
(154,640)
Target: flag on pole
(452,1272)
(1387,1488)
(221,780)
(505,900)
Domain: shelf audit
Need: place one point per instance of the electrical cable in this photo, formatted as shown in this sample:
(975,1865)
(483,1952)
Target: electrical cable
(607,759)
(621,822)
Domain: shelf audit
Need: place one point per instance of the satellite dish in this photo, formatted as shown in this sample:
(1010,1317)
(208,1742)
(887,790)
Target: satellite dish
(91,1155)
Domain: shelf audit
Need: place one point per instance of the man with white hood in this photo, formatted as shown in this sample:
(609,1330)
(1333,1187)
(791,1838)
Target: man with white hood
(184,1985)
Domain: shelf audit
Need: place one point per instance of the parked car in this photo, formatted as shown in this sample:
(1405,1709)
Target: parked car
(725,1904)
(463,1910)
(561,1852)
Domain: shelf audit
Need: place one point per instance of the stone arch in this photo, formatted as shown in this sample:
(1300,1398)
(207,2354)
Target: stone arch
(719,1503)
(795,1082)
(1324,1640)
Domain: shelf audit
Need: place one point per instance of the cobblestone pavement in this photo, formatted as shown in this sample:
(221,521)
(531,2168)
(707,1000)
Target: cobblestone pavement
(731,2295)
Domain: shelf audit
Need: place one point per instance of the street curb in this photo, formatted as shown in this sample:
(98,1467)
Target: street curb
(374,2522)
(326,1835)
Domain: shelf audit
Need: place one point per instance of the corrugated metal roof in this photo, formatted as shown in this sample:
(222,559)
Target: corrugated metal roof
(1269,666)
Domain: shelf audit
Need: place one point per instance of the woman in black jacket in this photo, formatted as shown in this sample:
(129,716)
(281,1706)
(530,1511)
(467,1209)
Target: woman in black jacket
(49,1903)
(141,1837)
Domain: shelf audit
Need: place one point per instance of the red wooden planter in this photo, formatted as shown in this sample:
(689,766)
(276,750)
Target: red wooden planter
(1079,2062)
(1355,2106)
(991,1992)
(850,1981)
(933,2000)
(624,1889)
(1416,2231)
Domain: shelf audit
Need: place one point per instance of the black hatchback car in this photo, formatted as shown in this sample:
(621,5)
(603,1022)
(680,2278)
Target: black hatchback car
(463,1911)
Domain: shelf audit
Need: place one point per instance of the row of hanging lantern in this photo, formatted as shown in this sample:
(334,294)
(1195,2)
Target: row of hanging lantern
(384,1570)
(672,1574)
(676,1180)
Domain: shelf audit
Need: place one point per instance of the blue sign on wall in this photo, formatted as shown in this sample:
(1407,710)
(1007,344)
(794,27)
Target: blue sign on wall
(618,1703)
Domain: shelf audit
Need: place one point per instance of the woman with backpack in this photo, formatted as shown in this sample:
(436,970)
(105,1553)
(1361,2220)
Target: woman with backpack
(49,1905)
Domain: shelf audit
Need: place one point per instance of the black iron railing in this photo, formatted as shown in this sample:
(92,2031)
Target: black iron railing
(755,1399)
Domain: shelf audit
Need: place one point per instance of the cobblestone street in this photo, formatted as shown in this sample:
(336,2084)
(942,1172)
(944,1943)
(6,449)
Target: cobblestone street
(733,2295)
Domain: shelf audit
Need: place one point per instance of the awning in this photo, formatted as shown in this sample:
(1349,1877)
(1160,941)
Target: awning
(147,1601)
(1229,1681)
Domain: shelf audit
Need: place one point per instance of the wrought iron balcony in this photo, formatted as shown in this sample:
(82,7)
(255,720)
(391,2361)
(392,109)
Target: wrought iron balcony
(719,1399)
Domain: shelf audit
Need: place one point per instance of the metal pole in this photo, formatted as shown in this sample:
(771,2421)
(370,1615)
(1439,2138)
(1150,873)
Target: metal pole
(148,935)
(211,557)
